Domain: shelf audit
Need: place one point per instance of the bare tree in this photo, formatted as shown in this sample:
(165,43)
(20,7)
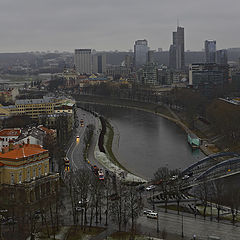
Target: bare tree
(218,196)
(232,200)
(203,193)
(162,176)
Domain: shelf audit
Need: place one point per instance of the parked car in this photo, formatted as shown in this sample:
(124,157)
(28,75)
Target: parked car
(185,177)
(10,221)
(151,187)
(153,215)
(79,209)
(147,211)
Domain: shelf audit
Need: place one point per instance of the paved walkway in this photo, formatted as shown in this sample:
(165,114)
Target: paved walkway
(105,234)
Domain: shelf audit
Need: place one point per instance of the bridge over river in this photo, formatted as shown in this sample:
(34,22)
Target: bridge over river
(212,167)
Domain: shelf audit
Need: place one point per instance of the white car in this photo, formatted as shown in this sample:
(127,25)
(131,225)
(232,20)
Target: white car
(149,188)
(185,177)
(153,215)
(174,177)
(147,211)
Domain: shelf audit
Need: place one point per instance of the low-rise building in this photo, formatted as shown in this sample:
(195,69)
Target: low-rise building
(8,135)
(26,183)
(35,107)
(23,163)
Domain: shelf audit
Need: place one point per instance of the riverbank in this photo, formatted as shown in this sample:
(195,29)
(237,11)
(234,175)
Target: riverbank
(108,160)
(157,109)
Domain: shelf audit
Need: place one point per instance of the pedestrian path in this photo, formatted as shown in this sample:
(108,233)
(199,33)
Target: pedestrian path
(105,234)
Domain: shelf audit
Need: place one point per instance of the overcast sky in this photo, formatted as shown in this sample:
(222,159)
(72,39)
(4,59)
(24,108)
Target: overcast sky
(29,25)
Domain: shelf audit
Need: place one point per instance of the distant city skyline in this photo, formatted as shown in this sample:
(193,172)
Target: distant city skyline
(28,25)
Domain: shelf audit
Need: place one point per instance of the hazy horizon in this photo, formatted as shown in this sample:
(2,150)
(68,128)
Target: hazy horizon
(30,25)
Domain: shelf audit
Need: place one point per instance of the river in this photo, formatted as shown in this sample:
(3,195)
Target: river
(144,141)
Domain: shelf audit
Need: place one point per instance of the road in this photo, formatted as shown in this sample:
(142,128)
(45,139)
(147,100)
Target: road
(75,152)
(172,223)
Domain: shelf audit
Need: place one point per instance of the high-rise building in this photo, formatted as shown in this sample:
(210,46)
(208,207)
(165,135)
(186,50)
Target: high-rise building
(140,52)
(172,56)
(210,51)
(128,61)
(99,63)
(150,57)
(176,51)
(180,63)
(83,61)
(222,57)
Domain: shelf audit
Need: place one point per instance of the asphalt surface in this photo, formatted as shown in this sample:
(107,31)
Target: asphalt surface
(75,152)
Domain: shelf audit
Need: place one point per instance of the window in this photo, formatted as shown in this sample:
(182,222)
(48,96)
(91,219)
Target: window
(28,174)
(34,172)
(45,169)
(39,171)
(20,177)
(11,178)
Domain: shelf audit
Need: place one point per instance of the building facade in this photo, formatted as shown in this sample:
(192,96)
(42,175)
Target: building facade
(35,107)
(210,51)
(99,63)
(140,53)
(222,56)
(83,61)
(147,75)
(8,135)
(176,51)
(23,163)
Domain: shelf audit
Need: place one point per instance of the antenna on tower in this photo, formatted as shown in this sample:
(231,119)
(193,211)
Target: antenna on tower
(177,22)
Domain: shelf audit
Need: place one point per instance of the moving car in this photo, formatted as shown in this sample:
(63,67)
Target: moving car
(101,177)
(83,202)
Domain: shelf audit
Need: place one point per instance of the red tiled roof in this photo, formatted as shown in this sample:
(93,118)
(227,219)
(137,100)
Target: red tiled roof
(46,130)
(22,151)
(10,132)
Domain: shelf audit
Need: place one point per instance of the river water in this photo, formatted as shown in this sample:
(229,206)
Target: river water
(144,141)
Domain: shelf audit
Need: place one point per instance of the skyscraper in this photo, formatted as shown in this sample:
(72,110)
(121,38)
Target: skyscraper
(210,51)
(140,53)
(99,63)
(83,61)
(222,57)
(176,51)
(180,62)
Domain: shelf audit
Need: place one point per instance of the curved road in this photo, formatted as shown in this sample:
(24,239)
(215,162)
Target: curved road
(75,151)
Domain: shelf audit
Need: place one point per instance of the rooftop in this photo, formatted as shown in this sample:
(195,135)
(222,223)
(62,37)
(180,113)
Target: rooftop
(37,101)
(10,132)
(46,130)
(22,151)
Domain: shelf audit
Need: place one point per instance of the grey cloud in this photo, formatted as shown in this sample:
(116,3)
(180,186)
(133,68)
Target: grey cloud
(113,24)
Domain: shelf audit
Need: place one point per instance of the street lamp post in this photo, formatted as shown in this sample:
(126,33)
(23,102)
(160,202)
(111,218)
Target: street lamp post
(157,222)
(153,200)
(182,226)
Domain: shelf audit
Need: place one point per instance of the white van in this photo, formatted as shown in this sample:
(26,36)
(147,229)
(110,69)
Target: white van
(152,215)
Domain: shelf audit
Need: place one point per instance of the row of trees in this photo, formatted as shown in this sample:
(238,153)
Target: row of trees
(218,194)
(224,118)
(93,200)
